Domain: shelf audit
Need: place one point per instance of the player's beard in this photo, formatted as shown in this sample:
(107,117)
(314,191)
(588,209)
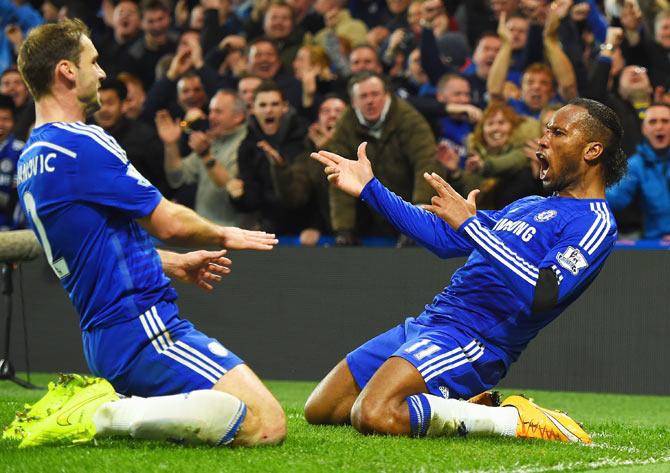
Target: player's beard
(90,103)
(563,176)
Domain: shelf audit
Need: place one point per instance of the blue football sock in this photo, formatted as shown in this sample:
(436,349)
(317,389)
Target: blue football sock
(419,415)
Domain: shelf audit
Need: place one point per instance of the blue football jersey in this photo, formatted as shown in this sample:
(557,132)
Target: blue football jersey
(492,294)
(81,196)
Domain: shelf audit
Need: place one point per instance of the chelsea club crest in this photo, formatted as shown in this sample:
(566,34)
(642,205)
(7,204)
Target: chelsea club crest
(545,216)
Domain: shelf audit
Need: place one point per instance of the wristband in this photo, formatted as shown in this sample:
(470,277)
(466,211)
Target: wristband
(209,164)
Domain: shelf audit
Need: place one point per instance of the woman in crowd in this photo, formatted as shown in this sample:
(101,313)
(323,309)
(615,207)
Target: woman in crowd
(496,163)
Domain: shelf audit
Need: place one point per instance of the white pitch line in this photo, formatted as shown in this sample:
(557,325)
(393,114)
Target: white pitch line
(607,462)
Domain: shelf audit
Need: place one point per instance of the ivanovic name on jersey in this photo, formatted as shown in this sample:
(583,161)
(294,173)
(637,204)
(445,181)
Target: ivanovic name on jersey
(38,164)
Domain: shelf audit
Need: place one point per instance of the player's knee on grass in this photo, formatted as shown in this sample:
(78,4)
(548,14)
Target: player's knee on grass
(274,427)
(319,411)
(370,415)
(263,426)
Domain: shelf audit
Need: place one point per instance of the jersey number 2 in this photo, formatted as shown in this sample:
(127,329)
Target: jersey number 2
(60,265)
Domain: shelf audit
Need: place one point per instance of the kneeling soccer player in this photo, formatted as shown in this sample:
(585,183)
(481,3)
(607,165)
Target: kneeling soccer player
(527,263)
(93,214)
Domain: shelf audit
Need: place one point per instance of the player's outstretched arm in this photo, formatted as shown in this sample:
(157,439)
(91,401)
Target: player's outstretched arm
(202,268)
(348,175)
(356,178)
(181,226)
(448,204)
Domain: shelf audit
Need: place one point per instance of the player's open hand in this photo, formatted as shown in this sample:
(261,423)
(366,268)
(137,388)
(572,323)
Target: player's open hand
(202,268)
(449,205)
(346,174)
(234,238)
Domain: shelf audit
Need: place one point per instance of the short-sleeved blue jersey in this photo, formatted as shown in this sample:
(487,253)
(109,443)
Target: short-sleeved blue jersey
(81,196)
(492,294)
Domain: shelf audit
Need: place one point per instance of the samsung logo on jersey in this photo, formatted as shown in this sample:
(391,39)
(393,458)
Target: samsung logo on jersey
(518,227)
(36,165)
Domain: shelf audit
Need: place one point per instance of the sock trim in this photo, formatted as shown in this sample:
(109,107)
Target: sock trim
(234,425)
(419,415)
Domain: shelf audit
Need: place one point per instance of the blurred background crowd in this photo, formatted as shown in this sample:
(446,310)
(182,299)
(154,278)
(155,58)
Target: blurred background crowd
(220,102)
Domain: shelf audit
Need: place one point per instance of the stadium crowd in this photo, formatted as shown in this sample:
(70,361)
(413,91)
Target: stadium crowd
(219,103)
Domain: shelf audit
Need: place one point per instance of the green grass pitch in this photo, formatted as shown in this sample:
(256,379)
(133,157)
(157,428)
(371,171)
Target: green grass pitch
(631,433)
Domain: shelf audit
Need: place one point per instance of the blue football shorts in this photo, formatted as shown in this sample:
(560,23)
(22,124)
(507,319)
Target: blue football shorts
(157,353)
(453,363)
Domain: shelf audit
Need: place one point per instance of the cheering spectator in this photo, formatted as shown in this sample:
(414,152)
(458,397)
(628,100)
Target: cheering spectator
(496,163)
(454,100)
(649,175)
(625,88)
(115,41)
(156,41)
(246,88)
(311,67)
(213,162)
(303,183)
(187,83)
(537,83)
(132,106)
(264,62)
(400,146)
(279,27)
(478,72)
(220,21)
(275,133)
(11,83)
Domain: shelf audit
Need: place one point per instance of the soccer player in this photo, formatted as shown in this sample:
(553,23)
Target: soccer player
(94,215)
(527,263)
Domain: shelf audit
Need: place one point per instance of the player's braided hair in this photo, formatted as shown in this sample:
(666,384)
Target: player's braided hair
(603,125)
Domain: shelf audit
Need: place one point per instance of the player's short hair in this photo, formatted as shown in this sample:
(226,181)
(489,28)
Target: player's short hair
(362,76)
(44,47)
(116,85)
(603,125)
(269,86)
(7,103)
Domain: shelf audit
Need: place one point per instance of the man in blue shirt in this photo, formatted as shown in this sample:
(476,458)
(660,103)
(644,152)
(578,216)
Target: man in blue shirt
(94,215)
(649,175)
(526,264)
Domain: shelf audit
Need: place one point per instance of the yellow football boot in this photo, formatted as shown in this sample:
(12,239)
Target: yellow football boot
(537,422)
(64,415)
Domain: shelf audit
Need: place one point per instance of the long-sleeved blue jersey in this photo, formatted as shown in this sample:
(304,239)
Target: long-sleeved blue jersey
(493,293)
